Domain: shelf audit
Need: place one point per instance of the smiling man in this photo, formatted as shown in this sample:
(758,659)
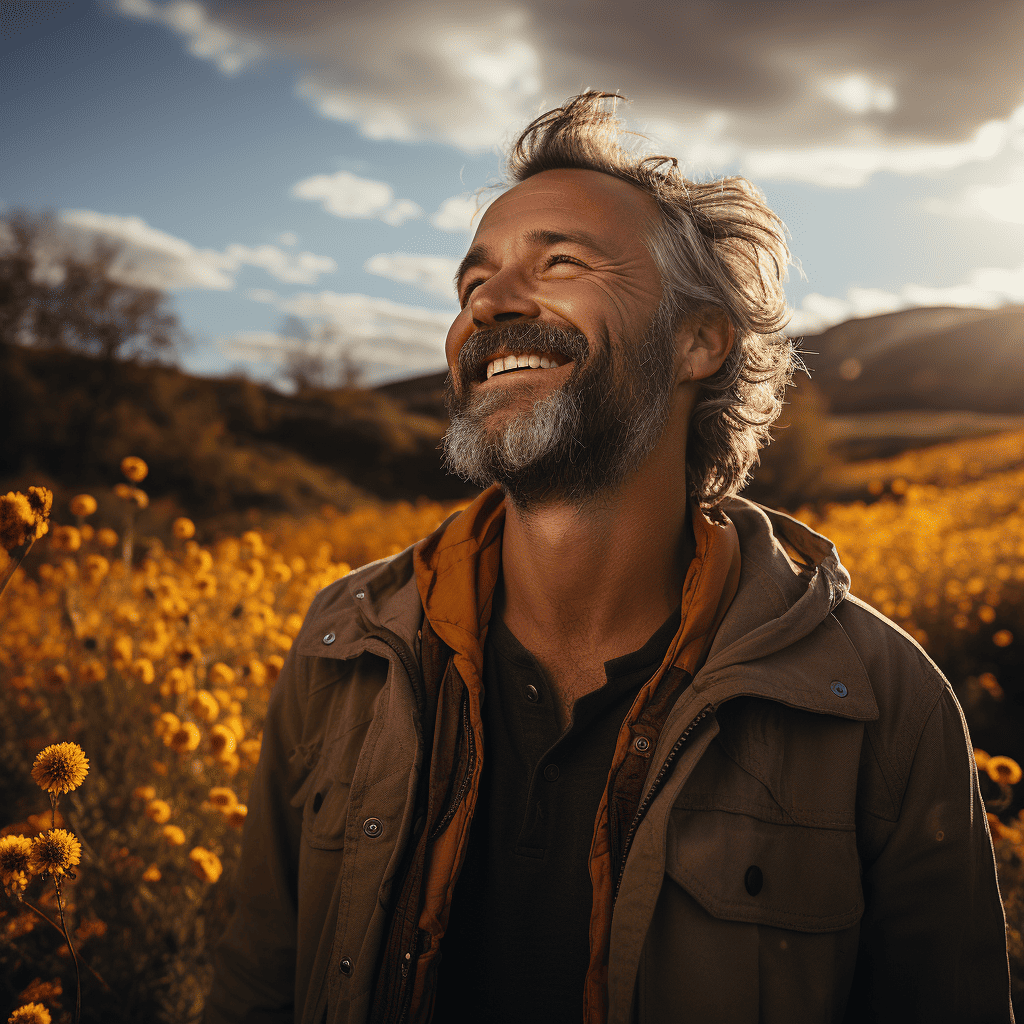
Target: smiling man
(613,743)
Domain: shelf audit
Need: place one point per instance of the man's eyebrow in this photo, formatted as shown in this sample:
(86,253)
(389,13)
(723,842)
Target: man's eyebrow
(480,254)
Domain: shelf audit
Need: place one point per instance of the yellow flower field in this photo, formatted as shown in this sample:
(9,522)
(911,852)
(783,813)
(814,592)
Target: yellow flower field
(159,668)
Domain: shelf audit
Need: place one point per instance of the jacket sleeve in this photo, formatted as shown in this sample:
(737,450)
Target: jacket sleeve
(933,935)
(254,964)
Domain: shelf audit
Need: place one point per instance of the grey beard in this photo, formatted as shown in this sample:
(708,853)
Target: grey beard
(581,441)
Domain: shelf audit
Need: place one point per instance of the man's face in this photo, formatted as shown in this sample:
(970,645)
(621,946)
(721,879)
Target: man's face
(571,431)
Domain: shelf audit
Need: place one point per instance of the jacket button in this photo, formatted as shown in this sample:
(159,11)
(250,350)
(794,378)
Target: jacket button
(551,772)
(373,827)
(531,694)
(345,966)
(360,594)
(753,880)
(642,744)
(839,689)
(328,638)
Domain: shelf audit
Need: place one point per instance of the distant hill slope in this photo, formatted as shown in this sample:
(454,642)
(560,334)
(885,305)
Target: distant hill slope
(215,447)
(944,358)
(939,359)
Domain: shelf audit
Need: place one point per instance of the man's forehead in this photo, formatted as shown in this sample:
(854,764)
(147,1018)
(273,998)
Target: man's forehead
(576,191)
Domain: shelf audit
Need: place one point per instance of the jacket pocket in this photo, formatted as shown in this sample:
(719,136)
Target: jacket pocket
(325,796)
(739,868)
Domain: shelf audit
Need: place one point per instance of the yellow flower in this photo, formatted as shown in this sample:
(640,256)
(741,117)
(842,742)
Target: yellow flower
(236,816)
(205,865)
(981,757)
(158,811)
(256,672)
(15,854)
(106,537)
(205,706)
(83,505)
(223,798)
(60,768)
(183,528)
(95,567)
(1003,769)
(251,749)
(93,671)
(185,738)
(121,648)
(143,670)
(222,741)
(151,874)
(39,991)
(174,835)
(144,793)
(66,538)
(16,520)
(220,674)
(58,677)
(134,469)
(54,851)
(230,763)
(166,724)
(30,1013)
(23,517)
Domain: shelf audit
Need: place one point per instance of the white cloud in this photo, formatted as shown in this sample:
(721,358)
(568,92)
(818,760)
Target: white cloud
(346,195)
(288,238)
(432,274)
(155,259)
(1003,204)
(462,213)
(858,94)
(988,288)
(386,338)
(828,97)
(231,51)
(292,268)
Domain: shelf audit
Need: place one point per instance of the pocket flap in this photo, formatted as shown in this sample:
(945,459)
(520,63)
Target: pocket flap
(786,876)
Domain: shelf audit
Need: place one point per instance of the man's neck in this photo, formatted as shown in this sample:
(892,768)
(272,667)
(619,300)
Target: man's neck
(599,581)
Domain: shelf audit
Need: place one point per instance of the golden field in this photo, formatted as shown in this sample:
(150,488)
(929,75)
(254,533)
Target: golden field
(158,665)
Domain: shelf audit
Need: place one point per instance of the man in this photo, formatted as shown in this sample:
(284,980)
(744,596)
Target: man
(613,744)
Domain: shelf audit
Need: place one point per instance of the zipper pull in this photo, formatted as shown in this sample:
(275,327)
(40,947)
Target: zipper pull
(405,965)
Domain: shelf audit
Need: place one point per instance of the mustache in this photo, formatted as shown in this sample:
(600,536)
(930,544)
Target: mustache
(519,338)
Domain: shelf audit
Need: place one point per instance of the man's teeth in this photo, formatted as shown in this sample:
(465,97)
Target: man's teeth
(533,360)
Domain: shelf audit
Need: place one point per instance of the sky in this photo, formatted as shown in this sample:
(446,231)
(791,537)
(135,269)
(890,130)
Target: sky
(274,164)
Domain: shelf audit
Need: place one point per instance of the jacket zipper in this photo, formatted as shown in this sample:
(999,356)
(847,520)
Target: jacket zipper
(653,791)
(470,765)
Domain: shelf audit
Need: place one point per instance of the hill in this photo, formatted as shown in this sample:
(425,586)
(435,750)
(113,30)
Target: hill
(216,447)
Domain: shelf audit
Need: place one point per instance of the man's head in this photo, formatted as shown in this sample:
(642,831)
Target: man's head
(641,290)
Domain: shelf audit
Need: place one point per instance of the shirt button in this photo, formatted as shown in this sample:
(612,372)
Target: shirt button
(753,880)
(551,772)
(345,966)
(373,827)
(642,744)
(328,638)
(531,694)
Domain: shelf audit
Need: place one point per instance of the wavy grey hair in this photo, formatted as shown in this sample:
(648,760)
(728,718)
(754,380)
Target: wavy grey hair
(720,251)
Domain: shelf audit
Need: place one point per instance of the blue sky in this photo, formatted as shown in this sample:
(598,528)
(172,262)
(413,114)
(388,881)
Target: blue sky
(262,159)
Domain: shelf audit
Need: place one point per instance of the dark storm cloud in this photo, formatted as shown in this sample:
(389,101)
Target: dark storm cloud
(950,67)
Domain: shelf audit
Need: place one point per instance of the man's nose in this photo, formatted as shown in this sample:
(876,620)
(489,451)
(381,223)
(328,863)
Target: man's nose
(501,298)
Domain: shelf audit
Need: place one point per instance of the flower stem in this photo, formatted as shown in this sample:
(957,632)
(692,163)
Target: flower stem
(16,556)
(74,955)
(53,924)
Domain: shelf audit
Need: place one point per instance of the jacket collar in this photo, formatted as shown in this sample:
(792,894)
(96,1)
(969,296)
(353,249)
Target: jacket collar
(790,580)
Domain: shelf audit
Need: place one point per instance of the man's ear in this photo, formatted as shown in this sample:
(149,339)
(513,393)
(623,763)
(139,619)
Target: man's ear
(705,345)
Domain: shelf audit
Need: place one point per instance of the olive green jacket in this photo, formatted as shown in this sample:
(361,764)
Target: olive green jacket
(818,850)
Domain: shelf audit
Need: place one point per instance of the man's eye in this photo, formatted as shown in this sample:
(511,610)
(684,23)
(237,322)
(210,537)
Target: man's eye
(552,260)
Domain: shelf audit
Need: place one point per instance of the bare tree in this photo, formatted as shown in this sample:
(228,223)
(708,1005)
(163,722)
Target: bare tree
(320,358)
(55,295)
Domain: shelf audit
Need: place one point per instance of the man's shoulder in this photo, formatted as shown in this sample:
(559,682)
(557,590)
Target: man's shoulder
(379,593)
